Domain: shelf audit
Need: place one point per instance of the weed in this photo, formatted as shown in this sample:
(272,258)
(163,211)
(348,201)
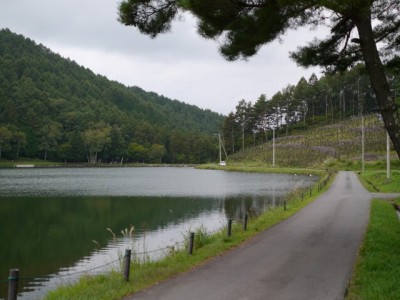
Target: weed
(113,234)
(128,232)
(201,238)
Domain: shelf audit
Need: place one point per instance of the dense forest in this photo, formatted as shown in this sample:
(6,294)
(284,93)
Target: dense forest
(313,102)
(53,109)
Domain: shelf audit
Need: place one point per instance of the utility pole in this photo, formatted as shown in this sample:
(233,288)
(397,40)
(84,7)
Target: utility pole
(273,147)
(220,153)
(243,137)
(219,146)
(362,127)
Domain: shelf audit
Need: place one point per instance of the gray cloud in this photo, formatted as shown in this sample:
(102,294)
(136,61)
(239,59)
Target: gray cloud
(179,65)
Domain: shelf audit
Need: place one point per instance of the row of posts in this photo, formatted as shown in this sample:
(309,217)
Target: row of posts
(191,239)
(228,232)
(127,257)
(14,273)
(14,276)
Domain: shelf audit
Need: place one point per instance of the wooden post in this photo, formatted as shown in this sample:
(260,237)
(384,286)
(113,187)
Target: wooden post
(284,205)
(127,264)
(302,196)
(13,284)
(229,231)
(245,222)
(191,242)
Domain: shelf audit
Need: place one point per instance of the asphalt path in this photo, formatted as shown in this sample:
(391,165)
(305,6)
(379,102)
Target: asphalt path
(308,256)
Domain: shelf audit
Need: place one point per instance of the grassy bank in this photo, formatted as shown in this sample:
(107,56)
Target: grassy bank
(145,274)
(377,272)
(261,168)
(35,162)
(376,181)
(48,164)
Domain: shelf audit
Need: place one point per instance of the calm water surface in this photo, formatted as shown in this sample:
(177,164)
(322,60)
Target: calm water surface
(54,221)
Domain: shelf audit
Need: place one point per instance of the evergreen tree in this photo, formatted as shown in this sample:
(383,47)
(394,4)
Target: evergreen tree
(244,26)
(5,138)
(50,104)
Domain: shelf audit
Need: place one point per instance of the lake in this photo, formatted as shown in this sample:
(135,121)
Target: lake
(57,224)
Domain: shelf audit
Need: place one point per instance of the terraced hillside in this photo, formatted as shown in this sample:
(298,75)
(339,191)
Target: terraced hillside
(336,143)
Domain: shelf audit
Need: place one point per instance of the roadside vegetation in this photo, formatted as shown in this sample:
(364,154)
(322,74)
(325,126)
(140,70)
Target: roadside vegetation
(146,273)
(376,273)
(376,181)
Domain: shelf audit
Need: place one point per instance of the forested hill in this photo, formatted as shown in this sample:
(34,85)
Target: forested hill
(52,108)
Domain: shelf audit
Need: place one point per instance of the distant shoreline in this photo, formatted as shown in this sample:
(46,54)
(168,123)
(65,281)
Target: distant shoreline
(29,165)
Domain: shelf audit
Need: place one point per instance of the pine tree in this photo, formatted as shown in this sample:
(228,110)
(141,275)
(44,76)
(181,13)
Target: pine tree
(243,26)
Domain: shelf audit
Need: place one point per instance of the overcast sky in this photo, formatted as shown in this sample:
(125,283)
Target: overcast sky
(179,65)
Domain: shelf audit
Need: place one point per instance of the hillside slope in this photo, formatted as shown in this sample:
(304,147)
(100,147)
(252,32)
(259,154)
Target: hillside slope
(52,107)
(339,143)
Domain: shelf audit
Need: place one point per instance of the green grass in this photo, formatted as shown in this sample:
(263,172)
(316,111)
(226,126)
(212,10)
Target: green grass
(251,166)
(335,146)
(376,181)
(145,274)
(377,271)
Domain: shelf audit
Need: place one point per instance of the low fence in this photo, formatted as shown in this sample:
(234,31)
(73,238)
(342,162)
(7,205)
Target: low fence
(14,274)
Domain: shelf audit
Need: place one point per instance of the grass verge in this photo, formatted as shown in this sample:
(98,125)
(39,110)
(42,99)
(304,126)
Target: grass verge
(376,181)
(260,168)
(377,270)
(148,273)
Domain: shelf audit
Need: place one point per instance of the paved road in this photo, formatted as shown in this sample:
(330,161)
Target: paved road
(309,256)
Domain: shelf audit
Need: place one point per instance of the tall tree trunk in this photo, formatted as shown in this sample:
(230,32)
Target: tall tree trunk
(45,154)
(243,136)
(380,85)
(233,141)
